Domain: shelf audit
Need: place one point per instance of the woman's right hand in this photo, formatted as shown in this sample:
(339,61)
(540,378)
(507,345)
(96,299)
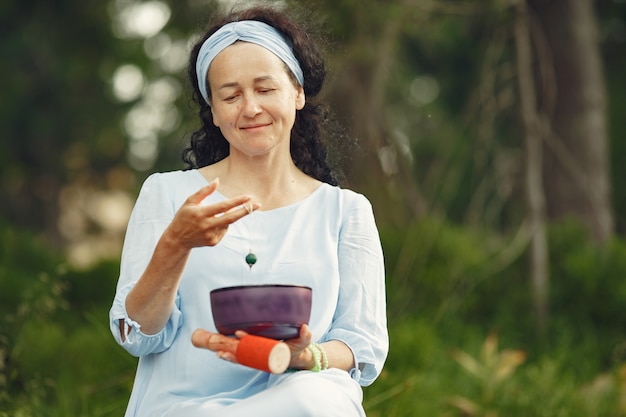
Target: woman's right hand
(196,225)
(151,300)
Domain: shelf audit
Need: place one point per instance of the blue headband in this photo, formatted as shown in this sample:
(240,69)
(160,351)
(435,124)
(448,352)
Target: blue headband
(252,31)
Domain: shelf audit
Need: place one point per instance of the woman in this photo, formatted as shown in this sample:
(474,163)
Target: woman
(259,184)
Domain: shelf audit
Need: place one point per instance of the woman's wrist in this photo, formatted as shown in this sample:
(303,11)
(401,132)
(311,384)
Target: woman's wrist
(304,360)
(171,245)
(169,239)
(313,358)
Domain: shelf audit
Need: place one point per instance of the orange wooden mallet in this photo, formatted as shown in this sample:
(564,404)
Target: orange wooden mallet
(256,352)
(268,355)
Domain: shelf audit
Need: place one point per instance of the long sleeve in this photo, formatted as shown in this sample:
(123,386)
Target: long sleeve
(152,213)
(360,318)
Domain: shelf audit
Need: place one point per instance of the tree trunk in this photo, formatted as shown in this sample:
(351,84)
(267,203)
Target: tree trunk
(535,196)
(576,169)
(358,95)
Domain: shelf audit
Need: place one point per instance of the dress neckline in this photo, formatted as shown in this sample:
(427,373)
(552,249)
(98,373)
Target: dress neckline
(317,190)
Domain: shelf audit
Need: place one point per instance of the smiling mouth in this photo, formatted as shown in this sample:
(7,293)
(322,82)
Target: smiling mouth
(254,126)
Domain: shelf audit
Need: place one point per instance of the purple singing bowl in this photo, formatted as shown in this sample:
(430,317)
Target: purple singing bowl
(274,311)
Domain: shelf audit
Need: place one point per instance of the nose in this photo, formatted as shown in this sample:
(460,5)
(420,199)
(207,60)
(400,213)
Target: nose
(251,106)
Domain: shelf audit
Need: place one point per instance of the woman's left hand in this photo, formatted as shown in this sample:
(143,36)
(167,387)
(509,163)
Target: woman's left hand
(226,347)
(301,357)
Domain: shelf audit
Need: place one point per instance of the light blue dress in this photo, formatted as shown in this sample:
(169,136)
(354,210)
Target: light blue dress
(328,241)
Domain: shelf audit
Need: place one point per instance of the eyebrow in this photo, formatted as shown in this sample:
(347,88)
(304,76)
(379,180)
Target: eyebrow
(256,80)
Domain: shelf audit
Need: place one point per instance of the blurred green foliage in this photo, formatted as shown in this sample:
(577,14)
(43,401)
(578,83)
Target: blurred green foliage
(577,370)
(57,357)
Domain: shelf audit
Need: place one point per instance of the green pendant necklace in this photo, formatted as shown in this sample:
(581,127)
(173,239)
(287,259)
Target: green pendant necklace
(250,257)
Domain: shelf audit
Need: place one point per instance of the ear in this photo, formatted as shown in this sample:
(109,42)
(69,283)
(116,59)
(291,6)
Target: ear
(300,98)
(214,117)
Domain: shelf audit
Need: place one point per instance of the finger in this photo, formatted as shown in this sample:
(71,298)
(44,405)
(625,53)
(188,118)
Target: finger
(237,213)
(213,341)
(201,338)
(227,356)
(300,343)
(227,206)
(241,334)
(305,332)
(203,192)
(222,221)
(304,337)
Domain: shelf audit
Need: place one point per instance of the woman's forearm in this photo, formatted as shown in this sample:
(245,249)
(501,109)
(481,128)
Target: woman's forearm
(151,300)
(337,353)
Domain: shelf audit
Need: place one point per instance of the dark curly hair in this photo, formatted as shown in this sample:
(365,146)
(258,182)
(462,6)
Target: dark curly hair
(312,123)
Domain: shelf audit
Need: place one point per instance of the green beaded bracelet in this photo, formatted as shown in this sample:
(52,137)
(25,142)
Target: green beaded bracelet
(324,358)
(317,360)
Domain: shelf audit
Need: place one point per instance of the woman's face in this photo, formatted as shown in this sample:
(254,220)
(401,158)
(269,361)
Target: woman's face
(253,99)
